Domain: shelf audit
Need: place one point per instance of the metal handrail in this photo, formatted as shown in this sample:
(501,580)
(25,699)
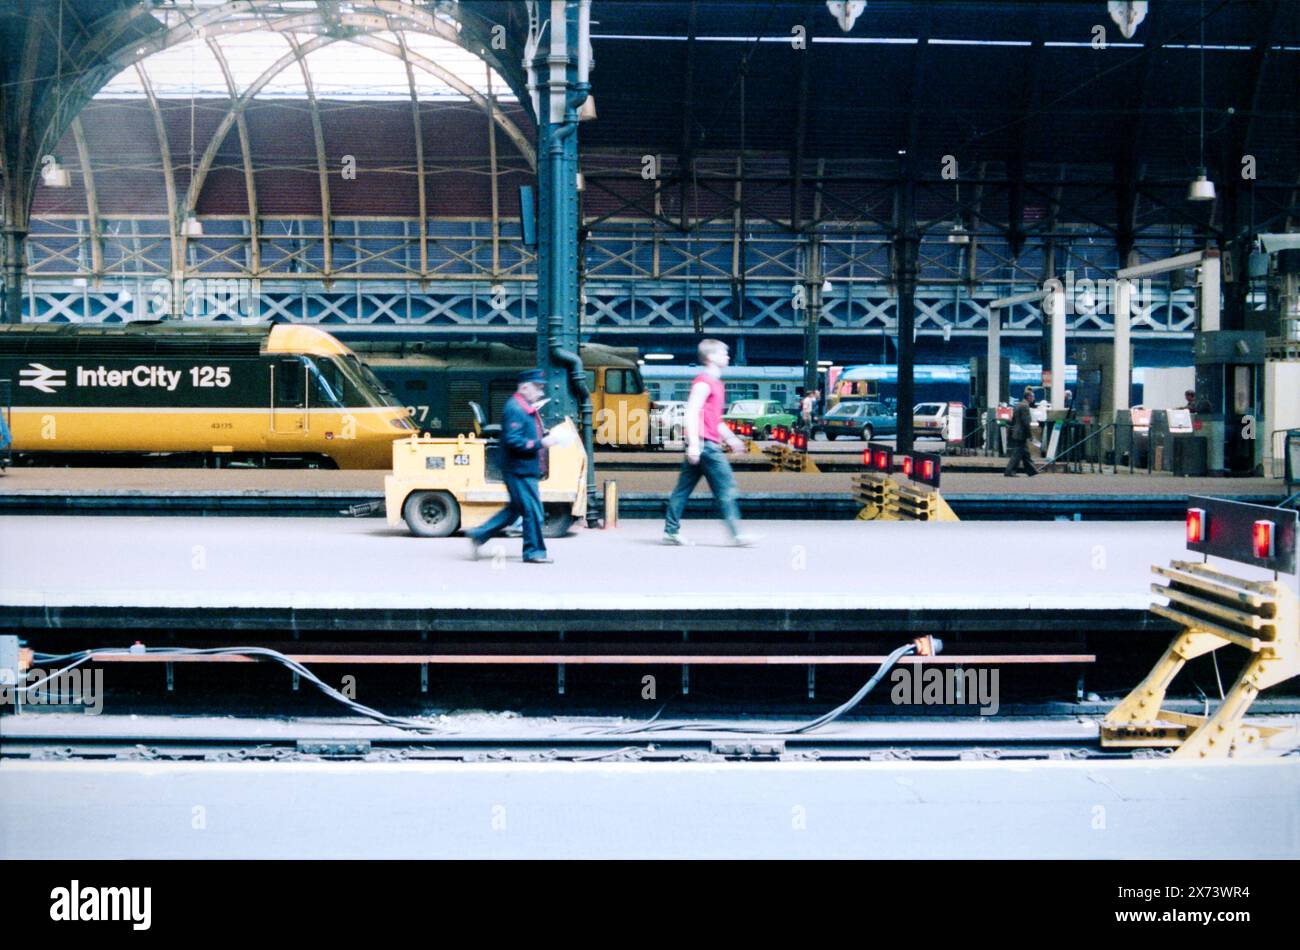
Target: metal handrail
(1277,458)
(978,430)
(1084,441)
(1099,464)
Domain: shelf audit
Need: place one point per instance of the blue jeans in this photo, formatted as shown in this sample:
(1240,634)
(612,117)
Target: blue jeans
(526,503)
(714,467)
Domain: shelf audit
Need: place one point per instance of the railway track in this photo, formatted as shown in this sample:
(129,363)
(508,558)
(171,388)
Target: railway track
(703,746)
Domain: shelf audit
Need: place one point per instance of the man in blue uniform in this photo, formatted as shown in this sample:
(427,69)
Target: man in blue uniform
(523,444)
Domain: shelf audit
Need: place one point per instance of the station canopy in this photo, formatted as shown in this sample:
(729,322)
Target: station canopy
(339,71)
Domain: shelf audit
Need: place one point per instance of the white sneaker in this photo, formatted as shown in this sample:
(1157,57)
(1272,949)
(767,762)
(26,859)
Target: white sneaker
(745,540)
(677,539)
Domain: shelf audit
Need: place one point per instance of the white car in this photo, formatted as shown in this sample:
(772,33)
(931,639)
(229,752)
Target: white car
(929,420)
(667,421)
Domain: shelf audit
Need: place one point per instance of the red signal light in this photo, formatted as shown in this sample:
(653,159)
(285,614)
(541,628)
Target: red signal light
(866,457)
(928,468)
(882,460)
(907,465)
(1262,538)
(1196,523)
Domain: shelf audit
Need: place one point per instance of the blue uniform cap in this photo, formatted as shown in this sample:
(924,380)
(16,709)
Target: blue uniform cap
(532,376)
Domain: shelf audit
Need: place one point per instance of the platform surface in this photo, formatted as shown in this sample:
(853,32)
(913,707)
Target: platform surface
(370,484)
(1162,809)
(347,564)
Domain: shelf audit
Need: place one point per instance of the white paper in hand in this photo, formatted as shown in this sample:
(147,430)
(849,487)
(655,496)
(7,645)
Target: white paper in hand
(564,436)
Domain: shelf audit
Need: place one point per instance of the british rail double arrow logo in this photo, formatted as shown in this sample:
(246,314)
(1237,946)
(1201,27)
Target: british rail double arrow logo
(42,377)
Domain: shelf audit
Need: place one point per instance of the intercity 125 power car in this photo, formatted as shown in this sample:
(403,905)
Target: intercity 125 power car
(255,394)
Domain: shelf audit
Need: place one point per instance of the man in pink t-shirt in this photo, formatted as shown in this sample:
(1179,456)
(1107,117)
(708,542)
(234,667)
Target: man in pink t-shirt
(705,435)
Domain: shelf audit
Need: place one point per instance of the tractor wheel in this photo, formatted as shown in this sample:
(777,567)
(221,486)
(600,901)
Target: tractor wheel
(559,518)
(431,514)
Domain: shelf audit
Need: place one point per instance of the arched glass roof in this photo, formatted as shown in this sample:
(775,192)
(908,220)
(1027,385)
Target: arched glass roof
(341,70)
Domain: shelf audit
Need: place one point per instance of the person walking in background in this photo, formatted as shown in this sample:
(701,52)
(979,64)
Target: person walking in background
(808,409)
(524,443)
(705,435)
(1022,423)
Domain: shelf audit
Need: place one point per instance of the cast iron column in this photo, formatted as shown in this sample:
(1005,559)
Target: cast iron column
(906,248)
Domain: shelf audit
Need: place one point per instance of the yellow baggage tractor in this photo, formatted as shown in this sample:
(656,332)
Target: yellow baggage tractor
(441,485)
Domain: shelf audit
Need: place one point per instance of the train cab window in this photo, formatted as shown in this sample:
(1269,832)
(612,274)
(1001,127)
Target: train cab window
(327,383)
(288,383)
(779,392)
(618,382)
(622,382)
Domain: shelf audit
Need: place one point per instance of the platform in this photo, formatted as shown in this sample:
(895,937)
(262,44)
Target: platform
(642,493)
(814,810)
(337,574)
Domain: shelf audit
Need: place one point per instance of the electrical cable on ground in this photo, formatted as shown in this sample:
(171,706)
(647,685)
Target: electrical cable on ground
(86,656)
(925,646)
